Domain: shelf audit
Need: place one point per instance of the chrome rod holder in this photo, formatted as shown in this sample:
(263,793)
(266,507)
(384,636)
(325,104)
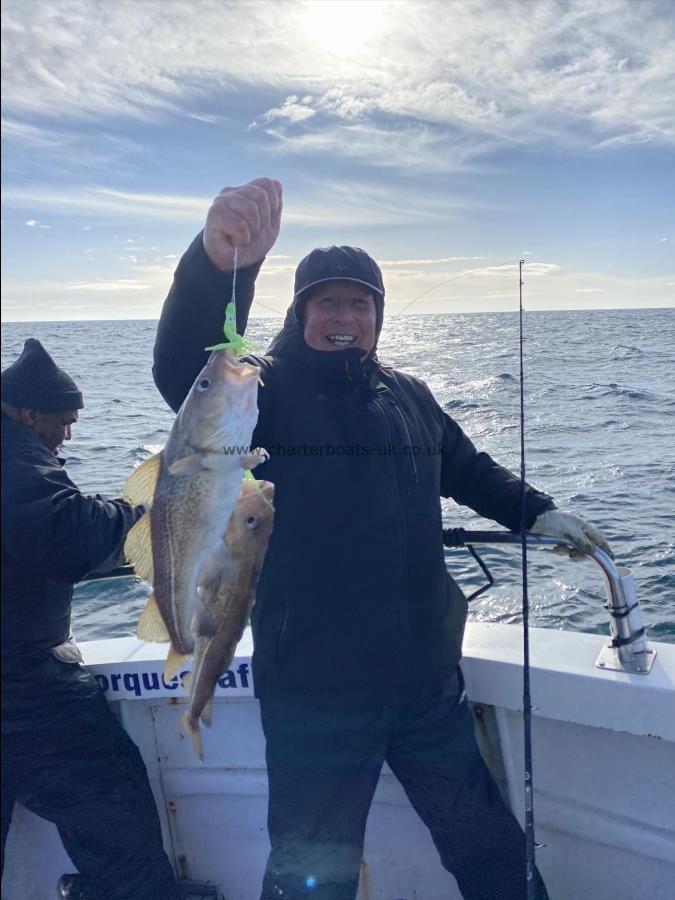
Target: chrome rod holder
(627,650)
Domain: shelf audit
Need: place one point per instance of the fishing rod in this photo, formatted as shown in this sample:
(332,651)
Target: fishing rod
(527,698)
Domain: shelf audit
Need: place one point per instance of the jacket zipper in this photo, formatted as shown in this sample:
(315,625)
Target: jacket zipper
(280,631)
(403,611)
(410,445)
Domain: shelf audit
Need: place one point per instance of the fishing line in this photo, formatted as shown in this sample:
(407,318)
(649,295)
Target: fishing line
(233,340)
(507,262)
(265,306)
(239,345)
(527,699)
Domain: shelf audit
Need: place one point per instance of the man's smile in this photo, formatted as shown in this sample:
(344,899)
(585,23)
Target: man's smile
(341,340)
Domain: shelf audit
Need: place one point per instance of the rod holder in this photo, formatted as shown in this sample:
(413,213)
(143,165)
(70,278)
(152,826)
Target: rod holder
(627,650)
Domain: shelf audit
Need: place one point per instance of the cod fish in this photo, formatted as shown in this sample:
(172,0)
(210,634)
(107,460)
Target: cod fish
(227,593)
(190,489)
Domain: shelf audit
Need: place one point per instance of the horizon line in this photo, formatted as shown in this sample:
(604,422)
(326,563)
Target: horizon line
(392,316)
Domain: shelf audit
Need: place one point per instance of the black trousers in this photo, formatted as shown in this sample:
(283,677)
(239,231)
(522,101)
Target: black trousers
(66,757)
(324,757)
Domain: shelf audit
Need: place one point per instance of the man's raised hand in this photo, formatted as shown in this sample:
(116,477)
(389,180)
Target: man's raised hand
(247,217)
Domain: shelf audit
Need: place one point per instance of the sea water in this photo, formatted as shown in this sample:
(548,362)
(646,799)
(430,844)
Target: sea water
(600,439)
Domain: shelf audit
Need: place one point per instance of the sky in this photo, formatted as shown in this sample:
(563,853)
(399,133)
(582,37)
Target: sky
(447,139)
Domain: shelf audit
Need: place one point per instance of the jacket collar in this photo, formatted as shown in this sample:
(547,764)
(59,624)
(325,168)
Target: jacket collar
(341,371)
(17,436)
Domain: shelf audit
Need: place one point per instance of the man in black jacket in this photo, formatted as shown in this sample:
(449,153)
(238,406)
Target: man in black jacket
(357,625)
(64,754)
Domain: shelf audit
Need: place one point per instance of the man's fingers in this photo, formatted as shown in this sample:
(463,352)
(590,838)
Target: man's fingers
(276,213)
(575,555)
(231,225)
(247,217)
(273,191)
(579,533)
(580,540)
(258,203)
(262,201)
(599,540)
(245,206)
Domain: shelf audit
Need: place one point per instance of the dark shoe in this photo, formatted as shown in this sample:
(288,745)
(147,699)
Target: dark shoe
(197,890)
(69,887)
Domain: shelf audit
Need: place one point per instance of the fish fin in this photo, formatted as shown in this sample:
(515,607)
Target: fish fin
(189,465)
(218,567)
(254,458)
(151,626)
(207,713)
(173,662)
(138,549)
(195,732)
(203,623)
(139,488)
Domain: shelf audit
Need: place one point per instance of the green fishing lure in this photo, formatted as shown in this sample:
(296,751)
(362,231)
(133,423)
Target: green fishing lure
(233,340)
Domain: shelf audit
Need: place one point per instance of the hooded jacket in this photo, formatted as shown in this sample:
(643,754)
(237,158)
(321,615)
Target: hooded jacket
(52,535)
(354,596)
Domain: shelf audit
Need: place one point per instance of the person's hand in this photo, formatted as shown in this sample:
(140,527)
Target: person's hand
(247,217)
(573,529)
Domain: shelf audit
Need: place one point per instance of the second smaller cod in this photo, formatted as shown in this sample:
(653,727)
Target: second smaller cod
(227,594)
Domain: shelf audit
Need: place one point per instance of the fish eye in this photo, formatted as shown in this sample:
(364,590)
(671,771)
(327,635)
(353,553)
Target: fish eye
(252,522)
(204,384)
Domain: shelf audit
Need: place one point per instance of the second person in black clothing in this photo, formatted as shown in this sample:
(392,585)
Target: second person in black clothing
(65,756)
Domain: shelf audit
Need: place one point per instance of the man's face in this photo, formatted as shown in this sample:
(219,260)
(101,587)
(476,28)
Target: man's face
(340,314)
(52,428)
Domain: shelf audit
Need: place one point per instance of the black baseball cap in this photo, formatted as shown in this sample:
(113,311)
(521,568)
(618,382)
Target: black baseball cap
(338,264)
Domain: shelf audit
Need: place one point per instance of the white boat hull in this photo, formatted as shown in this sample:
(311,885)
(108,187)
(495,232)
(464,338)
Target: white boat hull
(604,768)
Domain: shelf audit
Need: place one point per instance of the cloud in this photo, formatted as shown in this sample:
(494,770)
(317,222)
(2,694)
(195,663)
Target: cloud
(292,110)
(97,200)
(142,297)
(577,74)
(425,147)
(120,284)
(209,119)
(333,203)
(30,135)
(497,289)
(427,262)
(507,270)
(33,223)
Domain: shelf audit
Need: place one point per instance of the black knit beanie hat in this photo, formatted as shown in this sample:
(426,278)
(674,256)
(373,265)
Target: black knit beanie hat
(34,381)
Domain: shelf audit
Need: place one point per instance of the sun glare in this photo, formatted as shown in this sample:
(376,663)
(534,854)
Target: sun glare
(343,26)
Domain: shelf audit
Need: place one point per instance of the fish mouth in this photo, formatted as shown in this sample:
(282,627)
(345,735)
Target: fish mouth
(258,487)
(227,367)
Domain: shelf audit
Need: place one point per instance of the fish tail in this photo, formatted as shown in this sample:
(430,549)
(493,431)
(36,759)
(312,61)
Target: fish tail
(173,662)
(207,713)
(191,727)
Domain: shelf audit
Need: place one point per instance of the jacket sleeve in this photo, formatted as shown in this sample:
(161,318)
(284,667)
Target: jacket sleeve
(474,479)
(51,527)
(192,319)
